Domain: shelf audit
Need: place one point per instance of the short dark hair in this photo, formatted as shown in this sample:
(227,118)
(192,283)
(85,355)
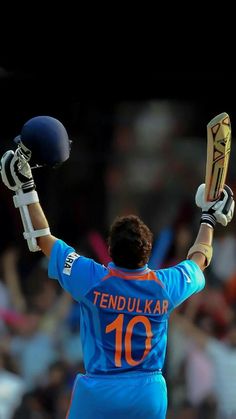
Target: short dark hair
(130,242)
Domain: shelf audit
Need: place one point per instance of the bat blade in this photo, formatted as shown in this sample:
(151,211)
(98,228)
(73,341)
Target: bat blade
(218,152)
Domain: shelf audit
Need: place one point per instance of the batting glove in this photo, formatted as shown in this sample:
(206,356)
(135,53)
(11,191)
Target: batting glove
(16,172)
(220,211)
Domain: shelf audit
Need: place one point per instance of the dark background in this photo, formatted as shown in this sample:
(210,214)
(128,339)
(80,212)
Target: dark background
(84,96)
(29,85)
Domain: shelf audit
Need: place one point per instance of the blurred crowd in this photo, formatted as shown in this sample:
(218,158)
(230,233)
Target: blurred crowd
(151,165)
(201,360)
(40,348)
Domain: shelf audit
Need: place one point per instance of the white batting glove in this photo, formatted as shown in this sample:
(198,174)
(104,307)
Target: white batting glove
(16,172)
(220,211)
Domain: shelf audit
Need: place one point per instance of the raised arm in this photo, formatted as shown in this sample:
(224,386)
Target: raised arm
(44,141)
(40,222)
(220,211)
(12,278)
(205,235)
(17,176)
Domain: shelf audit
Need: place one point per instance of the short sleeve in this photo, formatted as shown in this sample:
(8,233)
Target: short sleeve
(181,281)
(76,274)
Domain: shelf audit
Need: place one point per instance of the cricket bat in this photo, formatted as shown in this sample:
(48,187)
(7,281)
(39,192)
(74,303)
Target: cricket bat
(218,152)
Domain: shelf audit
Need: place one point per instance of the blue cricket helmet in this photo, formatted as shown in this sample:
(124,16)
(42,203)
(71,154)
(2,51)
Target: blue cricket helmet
(44,140)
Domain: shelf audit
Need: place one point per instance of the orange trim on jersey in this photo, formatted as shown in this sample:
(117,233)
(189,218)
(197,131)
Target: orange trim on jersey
(145,271)
(147,276)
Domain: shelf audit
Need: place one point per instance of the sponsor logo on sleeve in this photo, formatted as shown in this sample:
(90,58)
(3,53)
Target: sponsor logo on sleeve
(69,262)
(188,279)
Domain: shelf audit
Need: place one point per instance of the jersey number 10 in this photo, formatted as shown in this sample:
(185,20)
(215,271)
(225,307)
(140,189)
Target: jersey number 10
(118,325)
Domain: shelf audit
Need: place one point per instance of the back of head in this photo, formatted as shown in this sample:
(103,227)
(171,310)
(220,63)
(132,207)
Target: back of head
(130,242)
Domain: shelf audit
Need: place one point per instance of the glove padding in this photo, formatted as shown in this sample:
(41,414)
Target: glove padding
(220,211)
(16,172)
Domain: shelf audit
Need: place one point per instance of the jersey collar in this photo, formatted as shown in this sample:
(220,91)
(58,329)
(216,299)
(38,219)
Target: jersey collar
(118,268)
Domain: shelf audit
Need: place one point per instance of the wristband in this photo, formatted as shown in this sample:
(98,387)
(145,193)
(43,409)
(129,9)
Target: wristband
(208,218)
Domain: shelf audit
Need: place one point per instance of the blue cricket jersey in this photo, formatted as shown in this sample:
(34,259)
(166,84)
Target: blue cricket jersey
(124,312)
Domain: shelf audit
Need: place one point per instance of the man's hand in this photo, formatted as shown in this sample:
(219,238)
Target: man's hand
(220,211)
(17,176)
(16,172)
